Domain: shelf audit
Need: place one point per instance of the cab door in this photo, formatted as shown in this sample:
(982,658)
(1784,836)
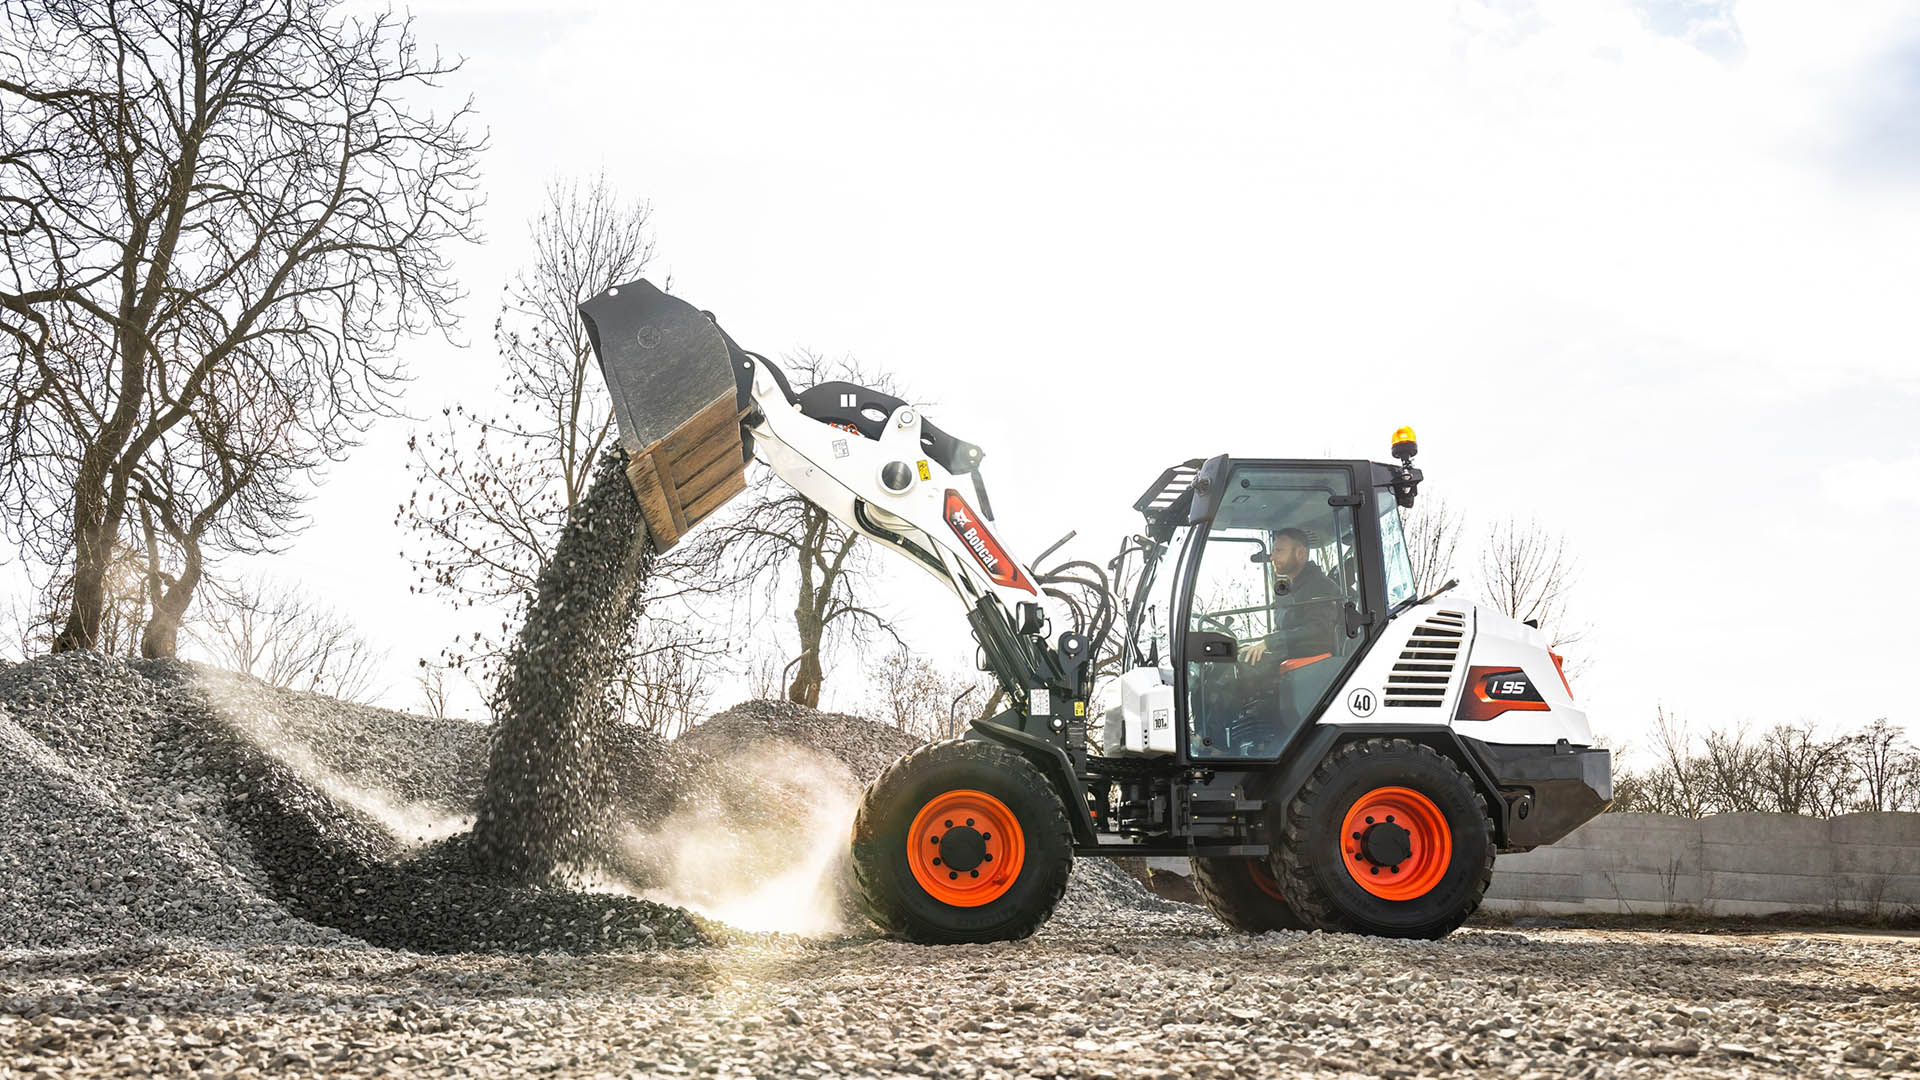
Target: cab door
(1275,600)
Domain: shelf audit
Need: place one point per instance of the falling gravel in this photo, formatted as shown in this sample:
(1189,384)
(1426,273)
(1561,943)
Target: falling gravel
(545,808)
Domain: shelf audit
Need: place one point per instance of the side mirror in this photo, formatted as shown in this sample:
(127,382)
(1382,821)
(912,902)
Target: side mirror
(1210,646)
(1033,618)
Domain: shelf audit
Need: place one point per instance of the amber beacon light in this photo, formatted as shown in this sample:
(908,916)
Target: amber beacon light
(1404,445)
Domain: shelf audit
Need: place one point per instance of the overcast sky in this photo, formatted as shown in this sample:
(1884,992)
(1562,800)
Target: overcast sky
(1643,272)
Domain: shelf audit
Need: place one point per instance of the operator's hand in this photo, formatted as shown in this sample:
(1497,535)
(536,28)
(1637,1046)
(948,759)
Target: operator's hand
(1252,652)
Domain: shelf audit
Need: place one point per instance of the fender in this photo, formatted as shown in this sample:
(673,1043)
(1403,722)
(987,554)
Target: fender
(1312,748)
(1053,763)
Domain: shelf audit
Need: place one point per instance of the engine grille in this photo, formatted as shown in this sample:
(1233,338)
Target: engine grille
(1419,678)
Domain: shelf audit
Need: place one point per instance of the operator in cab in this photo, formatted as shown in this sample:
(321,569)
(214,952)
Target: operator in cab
(1306,604)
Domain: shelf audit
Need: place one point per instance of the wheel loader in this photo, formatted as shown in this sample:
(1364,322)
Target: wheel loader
(1329,749)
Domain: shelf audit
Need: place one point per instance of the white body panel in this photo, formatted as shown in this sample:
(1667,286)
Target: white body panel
(837,469)
(1367,697)
(1504,642)
(1394,684)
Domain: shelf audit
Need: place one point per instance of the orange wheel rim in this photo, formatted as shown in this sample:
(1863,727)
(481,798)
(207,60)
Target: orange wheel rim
(1264,880)
(965,848)
(1396,843)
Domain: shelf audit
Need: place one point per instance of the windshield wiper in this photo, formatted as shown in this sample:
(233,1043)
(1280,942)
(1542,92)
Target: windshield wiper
(1451,582)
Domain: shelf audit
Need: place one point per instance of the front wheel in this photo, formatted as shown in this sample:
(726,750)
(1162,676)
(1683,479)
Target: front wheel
(961,842)
(1387,837)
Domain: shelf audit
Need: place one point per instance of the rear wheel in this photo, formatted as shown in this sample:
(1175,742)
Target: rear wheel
(1245,895)
(1387,837)
(961,841)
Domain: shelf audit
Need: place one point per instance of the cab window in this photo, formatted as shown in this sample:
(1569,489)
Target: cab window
(1393,549)
(1277,574)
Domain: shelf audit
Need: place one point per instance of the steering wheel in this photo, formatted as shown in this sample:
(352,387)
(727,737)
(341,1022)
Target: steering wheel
(1219,624)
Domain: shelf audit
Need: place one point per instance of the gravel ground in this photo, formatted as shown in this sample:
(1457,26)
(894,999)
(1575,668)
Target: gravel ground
(1155,994)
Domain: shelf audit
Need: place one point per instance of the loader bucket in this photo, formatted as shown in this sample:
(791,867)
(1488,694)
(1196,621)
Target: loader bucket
(676,400)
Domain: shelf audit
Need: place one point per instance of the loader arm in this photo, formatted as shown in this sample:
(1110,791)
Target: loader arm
(692,406)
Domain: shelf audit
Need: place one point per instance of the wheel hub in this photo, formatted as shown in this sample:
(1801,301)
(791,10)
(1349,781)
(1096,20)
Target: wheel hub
(962,849)
(1386,843)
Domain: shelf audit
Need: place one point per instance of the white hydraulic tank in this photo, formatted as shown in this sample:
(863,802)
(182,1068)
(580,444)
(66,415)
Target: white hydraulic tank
(1142,724)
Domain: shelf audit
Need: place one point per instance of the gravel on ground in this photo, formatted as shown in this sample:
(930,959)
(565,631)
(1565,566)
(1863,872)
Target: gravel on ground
(1151,995)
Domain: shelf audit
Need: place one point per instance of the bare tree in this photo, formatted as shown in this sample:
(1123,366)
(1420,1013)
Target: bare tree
(198,195)
(224,481)
(1802,773)
(1887,767)
(918,697)
(433,692)
(491,492)
(1527,574)
(766,675)
(123,613)
(667,687)
(1788,769)
(1675,784)
(1729,765)
(1433,538)
(776,530)
(283,636)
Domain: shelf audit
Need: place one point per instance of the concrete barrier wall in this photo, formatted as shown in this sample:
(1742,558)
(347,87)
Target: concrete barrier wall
(1728,864)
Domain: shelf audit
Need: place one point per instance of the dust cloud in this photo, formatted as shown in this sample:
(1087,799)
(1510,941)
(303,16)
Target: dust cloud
(757,841)
(412,824)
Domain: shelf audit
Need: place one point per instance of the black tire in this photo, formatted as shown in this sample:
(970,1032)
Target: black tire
(897,901)
(1244,894)
(1311,856)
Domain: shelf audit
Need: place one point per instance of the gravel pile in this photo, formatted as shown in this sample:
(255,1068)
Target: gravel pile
(159,799)
(863,746)
(109,832)
(153,799)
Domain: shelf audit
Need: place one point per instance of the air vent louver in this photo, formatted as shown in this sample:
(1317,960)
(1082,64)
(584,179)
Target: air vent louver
(1419,678)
